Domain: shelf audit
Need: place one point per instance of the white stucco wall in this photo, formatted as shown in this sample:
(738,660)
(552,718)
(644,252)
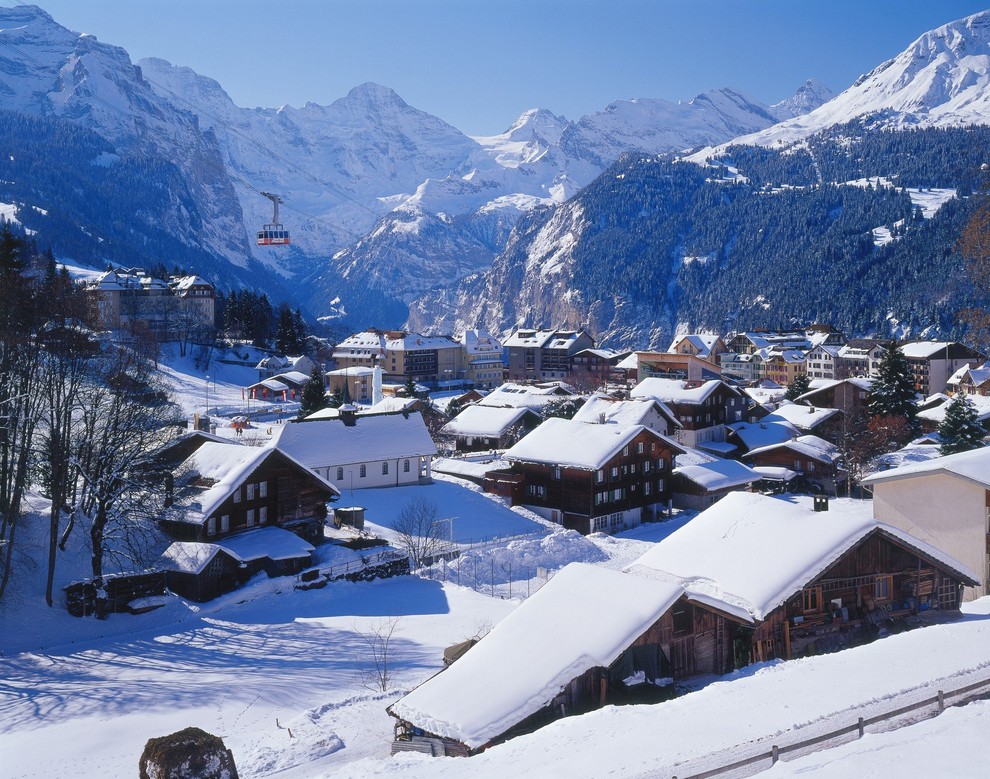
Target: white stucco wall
(947,511)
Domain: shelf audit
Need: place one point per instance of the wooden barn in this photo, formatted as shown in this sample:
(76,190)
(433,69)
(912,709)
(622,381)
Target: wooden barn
(202,571)
(824,580)
(574,646)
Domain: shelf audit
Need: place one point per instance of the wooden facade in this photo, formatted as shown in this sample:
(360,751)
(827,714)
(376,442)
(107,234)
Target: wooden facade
(633,482)
(871,589)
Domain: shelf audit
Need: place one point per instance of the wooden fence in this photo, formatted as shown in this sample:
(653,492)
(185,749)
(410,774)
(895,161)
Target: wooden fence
(763,760)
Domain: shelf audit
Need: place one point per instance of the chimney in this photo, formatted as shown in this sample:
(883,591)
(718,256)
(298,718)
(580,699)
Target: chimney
(601,418)
(821,502)
(348,415)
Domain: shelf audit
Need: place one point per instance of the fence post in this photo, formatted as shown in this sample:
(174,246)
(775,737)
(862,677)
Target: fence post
(774,754)
(941,701)
(862,730)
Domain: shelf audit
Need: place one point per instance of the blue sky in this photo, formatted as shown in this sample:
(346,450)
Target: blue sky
(478,64)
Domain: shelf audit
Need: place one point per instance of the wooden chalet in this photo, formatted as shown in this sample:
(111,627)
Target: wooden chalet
(523,674)
(223,489)
(181,448)
(481,428)
(649,412)
(814,459)
(589,477)
(846,395)
(825,579)
(703,408)
(809,419)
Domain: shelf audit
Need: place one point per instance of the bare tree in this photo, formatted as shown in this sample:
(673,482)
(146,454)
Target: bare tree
(125,416)
(421,531)
(376,664)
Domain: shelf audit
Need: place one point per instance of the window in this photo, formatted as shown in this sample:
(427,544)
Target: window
(600,475)
(250,517)
(639,447)
(225,523)
(364,471)
(555,473)
(263,489)
(385,469)
(659,485)
(340,474)
(617,493)
(211,526)
(683,619)
(535,490)
(237,495)
(615,472)
(646,467)
(405,466)
(625,450)
(647,488)
(600,524)
(882,587)
(812,600)
(250,492)
(263,515)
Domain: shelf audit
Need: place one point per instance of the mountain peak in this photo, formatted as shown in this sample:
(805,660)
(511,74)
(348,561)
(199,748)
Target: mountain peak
(811,94)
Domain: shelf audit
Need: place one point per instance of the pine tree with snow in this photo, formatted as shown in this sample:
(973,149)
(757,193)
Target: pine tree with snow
(893,393)
(314,394)
(960,430)
(798,387)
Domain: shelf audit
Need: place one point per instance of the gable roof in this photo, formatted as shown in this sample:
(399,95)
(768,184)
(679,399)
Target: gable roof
(322,443)
(623,412)
(808,445)
(677,390)
(712,555)
(973,466)
(487,421)
(801,416)
(573,444)
(583,618)
(759,435)
(718,475)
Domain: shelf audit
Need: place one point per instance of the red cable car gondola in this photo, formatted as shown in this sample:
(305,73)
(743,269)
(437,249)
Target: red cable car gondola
(273,234)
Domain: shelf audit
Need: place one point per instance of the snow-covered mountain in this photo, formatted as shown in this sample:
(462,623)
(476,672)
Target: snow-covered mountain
(940,80)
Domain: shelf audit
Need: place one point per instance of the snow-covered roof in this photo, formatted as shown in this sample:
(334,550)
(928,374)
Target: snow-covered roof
(775,472)
(973,465)
(936,414)
(473,469)
(675,390)
(718,475)
(629,363)
(485,421)
(329,442)
(583,618)
(188,556)
(712,555)
(272,543)
(622,412)
(390,405)
(524,395)
(479,342)
(801,416)
(808,445)
(702,342)
(573,444)
(757,435)
(924,349)
(356,371)
(534,339)
(188,282)
(411,342)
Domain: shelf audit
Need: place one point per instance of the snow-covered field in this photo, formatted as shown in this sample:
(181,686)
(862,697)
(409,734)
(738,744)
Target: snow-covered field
(282,675)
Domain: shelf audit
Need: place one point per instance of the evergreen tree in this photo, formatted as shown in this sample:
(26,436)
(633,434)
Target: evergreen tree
(893,393)
(798,387)
(314,394)
(289,331)
(410,388)
(960,430)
